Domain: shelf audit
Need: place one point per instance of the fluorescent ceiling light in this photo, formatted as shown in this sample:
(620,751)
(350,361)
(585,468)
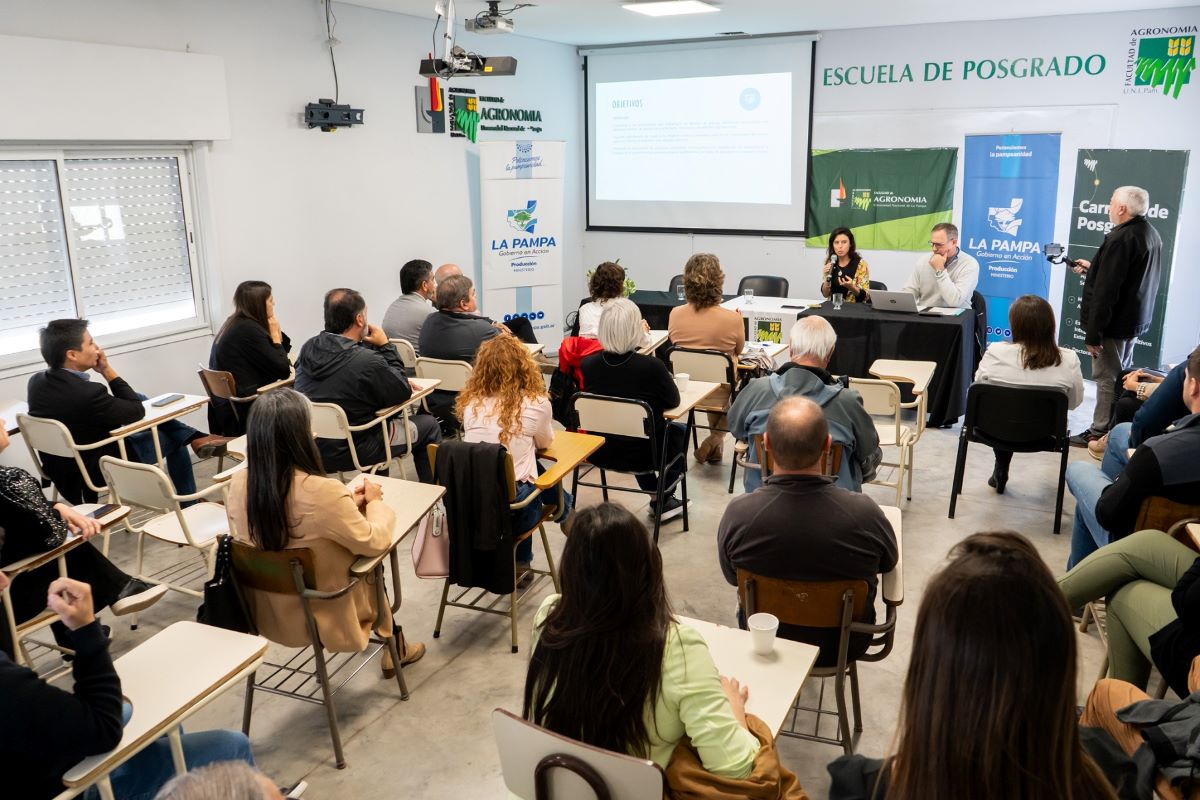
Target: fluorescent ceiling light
(670,8)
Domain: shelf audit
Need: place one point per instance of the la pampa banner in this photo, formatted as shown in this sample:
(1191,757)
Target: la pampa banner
(889,198)
(521,211)
(1010,187)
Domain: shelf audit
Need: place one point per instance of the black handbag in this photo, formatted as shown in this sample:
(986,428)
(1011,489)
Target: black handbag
(562,388)
(223,606)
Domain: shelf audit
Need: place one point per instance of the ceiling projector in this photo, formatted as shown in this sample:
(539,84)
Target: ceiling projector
(490,21)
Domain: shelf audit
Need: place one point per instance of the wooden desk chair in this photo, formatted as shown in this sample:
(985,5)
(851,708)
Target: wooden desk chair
(837,605)
(1162,514)
(49,436)
(538,764)
(622,420)
(329,422)
(763,460)
(881,399)
(220,385)
(196,526)
(518,593)
(293,573)
(712,366)
(408,353)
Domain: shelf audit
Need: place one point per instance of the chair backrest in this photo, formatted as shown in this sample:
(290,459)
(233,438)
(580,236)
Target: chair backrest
(143,485)
(329,422)
(880,398)
(271,570)
(676,282)
(47,436)
(811,604)
(1160,513)
(218,384)
(613,416)
(703,365)
(877,286)
(408,355)
(764,285)
(453,374)
(538,764)
(1016,414)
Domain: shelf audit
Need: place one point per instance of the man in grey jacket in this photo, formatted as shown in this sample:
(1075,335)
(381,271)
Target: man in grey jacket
(806,375)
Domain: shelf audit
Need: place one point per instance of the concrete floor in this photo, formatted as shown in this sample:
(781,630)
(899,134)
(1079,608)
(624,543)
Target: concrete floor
(439,743)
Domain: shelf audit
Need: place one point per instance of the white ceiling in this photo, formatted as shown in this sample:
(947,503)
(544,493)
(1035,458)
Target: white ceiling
(605,22)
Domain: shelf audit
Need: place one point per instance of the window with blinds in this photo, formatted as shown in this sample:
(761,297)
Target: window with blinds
(103,238)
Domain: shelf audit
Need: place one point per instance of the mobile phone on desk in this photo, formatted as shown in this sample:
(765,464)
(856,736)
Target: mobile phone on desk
(166,400)
(103,511)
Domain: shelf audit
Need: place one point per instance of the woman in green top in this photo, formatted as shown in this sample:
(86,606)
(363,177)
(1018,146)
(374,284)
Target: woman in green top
(612,668)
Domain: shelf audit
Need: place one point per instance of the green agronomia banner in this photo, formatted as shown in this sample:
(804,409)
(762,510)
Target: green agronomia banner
(1097,174)
(889,198)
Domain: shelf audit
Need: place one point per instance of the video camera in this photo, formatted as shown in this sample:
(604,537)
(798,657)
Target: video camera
(1056,254)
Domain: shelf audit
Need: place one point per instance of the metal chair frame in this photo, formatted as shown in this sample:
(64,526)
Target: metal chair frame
(343,430)
(35,431)
(871,390)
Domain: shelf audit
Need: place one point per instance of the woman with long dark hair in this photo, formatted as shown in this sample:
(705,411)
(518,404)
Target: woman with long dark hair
(282,500)
(1032,358)
(613,668)
(845,271)
(988,706)
(252,347)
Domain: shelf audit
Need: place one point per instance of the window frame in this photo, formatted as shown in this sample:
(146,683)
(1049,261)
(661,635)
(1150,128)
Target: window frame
(200,323)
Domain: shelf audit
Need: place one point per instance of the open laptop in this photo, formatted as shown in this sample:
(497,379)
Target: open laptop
(896,301)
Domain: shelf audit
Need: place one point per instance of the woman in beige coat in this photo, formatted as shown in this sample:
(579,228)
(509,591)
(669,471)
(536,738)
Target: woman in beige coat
(283,500)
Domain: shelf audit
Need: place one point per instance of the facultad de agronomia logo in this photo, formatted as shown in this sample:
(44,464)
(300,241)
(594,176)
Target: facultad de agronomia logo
(1160,60)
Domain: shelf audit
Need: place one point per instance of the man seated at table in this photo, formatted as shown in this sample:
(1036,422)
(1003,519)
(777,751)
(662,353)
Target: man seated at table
(405,316)
(519,327)
(947,278)
(1109,498)
(65,392)
(799,526)
(45,731)
(352,364)
(811,346)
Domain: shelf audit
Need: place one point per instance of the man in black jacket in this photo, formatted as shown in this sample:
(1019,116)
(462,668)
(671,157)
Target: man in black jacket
(352,364)
(1118,297)
(65,392)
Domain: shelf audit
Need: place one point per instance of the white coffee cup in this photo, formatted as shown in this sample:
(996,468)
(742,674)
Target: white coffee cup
(762,632)
(681,380)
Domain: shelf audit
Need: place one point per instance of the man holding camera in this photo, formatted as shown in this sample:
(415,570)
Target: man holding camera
(1118,298)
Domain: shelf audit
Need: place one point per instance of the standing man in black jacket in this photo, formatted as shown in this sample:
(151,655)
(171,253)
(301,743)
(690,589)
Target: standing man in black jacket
(352,364)
(1118,298)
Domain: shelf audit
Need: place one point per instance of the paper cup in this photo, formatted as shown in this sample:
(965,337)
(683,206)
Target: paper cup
(762,632)
(681,380)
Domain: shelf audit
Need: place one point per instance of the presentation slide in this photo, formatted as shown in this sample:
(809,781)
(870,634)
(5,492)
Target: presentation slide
(706,136)
(722,139)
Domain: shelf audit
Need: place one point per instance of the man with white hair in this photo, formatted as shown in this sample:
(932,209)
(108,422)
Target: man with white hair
(806,375)
(1118,298)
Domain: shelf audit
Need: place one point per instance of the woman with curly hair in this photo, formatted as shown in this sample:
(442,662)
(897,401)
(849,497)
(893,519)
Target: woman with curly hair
(845,271)
(505,402)
(701,323)
(607,283)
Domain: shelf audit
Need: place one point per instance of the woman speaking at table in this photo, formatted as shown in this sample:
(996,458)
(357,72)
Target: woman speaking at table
(845,271)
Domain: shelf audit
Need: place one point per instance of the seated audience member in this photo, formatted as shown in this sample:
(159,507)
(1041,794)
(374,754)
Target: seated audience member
(612,627)
(457,329)
(1032,358)
(620,371)
(948,277)
(1136,387)
(281,501)
(1109,498)
(351,363)
(1153,608)
(811,345)
(607,283)
(799,526)
(65,392)
(45,731)
(405,316)
(852,278)
(988,706)
(701,323)
(226,780)
(1159,403)
(519,327)
(30,525)
(252,346)
(505,402)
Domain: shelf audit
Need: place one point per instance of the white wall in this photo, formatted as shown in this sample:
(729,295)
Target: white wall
(307,210)
(1090,111)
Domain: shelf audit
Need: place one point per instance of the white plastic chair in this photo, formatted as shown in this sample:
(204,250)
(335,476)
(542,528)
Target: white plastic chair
(452,374)
(329,421)
(540,765)
(711,366)
(197,526)
(882,399)
(408,354)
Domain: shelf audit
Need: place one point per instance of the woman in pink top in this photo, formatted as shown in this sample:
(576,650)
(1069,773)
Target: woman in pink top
(505,402)
(701,323)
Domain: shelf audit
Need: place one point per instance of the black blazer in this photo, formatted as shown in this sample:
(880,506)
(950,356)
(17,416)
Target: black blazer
(246,350)
(89,412)
(1122,284)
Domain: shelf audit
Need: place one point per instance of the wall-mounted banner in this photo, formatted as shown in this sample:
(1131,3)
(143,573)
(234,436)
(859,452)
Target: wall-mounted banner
(889,198)
(1097,174)
(521,211)
(1010,191)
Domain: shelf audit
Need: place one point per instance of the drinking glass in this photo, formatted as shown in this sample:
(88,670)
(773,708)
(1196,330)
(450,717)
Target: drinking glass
(837,301)
(748,296)
(679,292)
